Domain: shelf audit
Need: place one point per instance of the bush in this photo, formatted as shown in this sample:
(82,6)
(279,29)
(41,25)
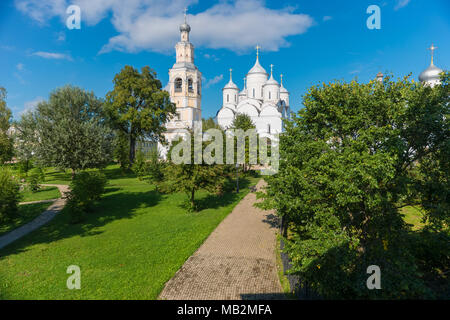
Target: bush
(35,178)
(9,194)
(86,188)
(140,165)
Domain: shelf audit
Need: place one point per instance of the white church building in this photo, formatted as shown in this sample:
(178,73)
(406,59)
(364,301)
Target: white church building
(263,99)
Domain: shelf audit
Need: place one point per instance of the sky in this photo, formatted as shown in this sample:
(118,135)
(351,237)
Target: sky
(309,42)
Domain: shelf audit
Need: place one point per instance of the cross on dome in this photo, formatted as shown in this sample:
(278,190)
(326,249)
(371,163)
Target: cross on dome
(432,48)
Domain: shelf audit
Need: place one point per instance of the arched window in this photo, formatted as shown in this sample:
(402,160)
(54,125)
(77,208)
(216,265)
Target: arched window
(198,87)
(190,85)
(270,95)
(228,98)
(253,92)
(262,93)
(178,85)
(268,128)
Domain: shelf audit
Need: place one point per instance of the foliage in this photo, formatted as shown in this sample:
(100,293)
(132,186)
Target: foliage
(140,165)
(26,139)
(244,122)
(196,175)
(6,142)
(138,107)
(122,150)
(9,194)
(35,178)
(85,188)
(346,167)
(70,131)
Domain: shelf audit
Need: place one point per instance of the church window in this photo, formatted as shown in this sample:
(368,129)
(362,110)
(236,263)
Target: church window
(268,128)
(178,85)
(262,93)
(270,95)
(228,98)
(253,92)
(190,85)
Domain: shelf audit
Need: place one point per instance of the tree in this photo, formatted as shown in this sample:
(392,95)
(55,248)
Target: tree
(71,131)
(244,122)
(191,177)
(6,142)
(26,140)
(347,166)
(138,106)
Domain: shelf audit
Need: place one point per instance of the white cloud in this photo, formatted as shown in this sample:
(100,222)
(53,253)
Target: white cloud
(20,66)
(327,18)
(401,4)
(213,81)
(31,105)
(52,55)
(152,25)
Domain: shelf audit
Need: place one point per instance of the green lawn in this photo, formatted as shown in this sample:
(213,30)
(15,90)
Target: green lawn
(413,216)
(128,248)
(27,212)
(45,193)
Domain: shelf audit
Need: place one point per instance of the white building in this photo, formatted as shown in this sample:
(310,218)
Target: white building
(262,98)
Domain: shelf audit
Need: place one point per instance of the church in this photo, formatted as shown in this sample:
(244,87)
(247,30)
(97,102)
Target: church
(263,99)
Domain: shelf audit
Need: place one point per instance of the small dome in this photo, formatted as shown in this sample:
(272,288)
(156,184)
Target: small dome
(272,81)
(257,68)
(430,73)
(231,85)
(283,90)
(185,27)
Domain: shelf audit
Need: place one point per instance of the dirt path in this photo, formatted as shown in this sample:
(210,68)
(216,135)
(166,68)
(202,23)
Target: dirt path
(44,218)
(237,261)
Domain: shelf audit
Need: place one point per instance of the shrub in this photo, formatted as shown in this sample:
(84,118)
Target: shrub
(140,165)
(86,188)
(35,178)
(9,194)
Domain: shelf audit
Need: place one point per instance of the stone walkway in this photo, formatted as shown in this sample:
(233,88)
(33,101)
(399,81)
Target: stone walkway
(44,218)
(237,261)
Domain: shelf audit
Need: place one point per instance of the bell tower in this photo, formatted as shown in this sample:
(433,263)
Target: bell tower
(185,83)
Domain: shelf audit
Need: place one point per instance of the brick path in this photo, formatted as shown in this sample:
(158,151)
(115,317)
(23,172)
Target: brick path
(237,261)
(44,218)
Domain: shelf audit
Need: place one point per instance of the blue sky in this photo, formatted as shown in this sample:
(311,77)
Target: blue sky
(308,41)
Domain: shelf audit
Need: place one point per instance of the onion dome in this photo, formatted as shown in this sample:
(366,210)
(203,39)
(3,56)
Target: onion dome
(432,73)
(231,84)
(257,68)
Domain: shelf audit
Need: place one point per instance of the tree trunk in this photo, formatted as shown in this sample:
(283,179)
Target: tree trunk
(73,173)
(132,149)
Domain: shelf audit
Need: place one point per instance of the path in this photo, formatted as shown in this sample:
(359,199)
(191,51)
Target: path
(237,261)
(44,218)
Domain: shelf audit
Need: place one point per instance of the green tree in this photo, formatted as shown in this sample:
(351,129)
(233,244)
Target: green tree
(6,142)
(138,106)
(71,131)
(192,177)
(346,168)
(244,122)
(26,140)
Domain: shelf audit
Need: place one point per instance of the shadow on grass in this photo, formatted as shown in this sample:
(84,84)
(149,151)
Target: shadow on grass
(213,201)
(112,207)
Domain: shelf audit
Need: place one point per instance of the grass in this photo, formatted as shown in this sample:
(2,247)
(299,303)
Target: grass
(45,193)
(129,247)
(27,212)
(413,216)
